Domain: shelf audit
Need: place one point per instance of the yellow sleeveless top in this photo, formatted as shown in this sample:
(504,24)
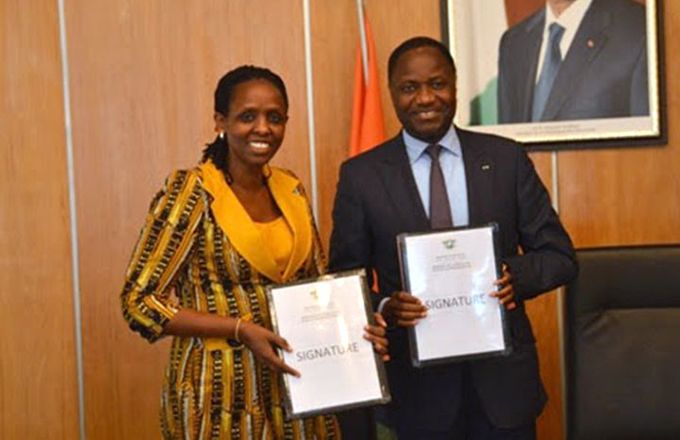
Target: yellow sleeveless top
(279,238)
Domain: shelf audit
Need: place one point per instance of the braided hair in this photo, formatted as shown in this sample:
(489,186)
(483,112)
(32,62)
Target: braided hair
(218,150)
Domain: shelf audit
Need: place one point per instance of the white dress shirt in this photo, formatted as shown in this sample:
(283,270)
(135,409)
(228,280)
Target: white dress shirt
(453,169)
(570,19)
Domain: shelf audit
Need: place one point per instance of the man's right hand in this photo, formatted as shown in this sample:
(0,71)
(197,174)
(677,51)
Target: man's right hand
(404,310)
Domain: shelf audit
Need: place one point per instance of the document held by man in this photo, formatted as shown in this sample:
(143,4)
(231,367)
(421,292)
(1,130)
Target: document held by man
(453,272)
(323,321)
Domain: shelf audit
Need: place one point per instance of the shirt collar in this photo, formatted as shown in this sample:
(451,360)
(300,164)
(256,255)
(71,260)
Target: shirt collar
(570,17)
(415,148)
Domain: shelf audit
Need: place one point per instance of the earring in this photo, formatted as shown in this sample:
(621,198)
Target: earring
(221,135)
(228,178)
(266,171)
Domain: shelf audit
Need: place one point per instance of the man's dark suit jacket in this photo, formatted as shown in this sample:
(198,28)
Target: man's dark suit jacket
(604,74)
(377,199)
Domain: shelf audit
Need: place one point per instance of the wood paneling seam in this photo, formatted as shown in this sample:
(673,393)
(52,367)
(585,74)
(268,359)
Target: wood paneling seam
(362,39)
(560,296)
(75,273)
(310,108)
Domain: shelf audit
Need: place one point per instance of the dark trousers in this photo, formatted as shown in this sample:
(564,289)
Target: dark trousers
(357,424)
(470,424)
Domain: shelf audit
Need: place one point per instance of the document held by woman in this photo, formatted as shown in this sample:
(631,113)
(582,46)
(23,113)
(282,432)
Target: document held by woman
(323,320)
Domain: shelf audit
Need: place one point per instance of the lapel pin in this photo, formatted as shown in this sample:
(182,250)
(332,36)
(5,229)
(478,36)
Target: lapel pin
(486,167)
(590,43)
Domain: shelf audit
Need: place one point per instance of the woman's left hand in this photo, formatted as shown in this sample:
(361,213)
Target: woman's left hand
(376,334)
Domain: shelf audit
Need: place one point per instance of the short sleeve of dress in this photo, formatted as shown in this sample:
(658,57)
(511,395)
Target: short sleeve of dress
(164,243)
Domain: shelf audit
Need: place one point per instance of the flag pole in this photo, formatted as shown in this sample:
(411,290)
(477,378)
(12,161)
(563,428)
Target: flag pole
(362,38)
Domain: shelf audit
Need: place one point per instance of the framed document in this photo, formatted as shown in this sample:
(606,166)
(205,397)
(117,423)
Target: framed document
(323,320)
(453,272)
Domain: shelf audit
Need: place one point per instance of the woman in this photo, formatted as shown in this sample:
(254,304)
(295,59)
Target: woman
(215,236)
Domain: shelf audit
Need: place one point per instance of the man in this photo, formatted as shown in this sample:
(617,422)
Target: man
(386,191)
(575,59)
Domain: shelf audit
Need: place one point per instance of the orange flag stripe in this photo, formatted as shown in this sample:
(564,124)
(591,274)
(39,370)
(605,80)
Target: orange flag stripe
(368,129)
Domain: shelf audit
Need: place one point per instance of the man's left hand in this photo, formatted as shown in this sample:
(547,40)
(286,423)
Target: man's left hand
(505,293)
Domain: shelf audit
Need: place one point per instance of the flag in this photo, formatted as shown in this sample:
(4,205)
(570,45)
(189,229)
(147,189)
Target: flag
(368,128)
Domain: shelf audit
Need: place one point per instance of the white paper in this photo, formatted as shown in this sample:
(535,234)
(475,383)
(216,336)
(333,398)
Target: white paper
(453,273)
(324,324)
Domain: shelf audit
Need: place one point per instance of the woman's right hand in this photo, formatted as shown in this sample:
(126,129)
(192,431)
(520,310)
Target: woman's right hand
(261,341)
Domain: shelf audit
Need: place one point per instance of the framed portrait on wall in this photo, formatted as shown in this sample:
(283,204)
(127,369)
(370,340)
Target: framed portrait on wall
(586,75)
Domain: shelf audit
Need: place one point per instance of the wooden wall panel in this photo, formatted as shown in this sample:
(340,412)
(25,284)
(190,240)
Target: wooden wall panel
(143,75)
(622,197)
(38,393)
(542,313)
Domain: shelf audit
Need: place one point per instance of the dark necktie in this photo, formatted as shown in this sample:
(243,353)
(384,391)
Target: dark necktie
(440,210)
(551,65)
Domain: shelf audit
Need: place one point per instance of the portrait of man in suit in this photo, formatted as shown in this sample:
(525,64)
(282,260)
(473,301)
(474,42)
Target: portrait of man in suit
(434,175)
(575,59)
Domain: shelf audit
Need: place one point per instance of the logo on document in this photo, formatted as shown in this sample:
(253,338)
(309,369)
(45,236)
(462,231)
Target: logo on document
(449,244)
